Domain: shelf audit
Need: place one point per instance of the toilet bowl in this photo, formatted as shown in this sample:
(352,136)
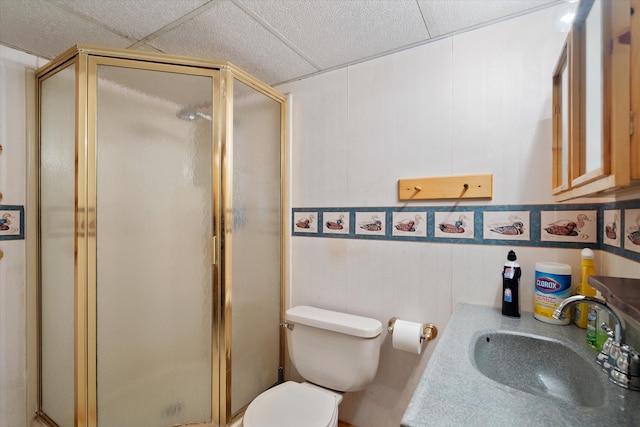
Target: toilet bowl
(336,352)
(293,404)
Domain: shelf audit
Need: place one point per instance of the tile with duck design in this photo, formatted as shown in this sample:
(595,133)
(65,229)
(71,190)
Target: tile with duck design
(409,224)
(11,222)
(305,222)
(506,225)
(370,223)
(335,222)
(569,226)
(632,230)
(611,227)
(454,225)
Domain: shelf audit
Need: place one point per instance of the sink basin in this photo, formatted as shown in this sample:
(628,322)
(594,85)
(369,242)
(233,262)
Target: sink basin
(539,366)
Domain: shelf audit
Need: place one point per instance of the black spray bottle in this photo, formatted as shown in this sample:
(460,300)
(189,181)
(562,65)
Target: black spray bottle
(510,283)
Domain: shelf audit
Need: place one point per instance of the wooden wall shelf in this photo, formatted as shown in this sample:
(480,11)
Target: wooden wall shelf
(446,187)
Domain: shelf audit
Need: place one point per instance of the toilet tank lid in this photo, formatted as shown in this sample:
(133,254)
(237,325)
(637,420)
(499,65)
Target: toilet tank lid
(344,323)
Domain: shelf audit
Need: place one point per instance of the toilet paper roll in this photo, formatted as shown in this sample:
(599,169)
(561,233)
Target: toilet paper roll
(406,336)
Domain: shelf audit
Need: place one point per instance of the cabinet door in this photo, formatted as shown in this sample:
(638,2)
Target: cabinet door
(562,121)
(592,145)
(599,137)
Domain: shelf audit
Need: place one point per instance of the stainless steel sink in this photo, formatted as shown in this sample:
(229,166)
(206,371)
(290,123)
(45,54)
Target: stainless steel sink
(539,366)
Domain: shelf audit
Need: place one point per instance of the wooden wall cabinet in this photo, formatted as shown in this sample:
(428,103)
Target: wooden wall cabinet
(596,93)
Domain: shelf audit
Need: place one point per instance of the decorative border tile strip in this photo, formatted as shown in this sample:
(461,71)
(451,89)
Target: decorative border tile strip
(613,227)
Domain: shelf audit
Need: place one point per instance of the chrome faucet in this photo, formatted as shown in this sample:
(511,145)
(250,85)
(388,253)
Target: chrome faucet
(560,311)
(618,360)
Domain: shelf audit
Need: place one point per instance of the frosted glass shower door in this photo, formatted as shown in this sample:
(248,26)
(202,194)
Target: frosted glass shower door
(57,257)
(257,244)
(153,233)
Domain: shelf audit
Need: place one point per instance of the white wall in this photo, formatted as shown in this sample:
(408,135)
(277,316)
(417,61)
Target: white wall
(477,102)
(13,172)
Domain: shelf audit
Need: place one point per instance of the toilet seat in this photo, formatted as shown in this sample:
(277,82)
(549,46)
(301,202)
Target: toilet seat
(291,404)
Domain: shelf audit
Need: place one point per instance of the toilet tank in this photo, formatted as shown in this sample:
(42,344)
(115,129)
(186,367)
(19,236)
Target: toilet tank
(335,350)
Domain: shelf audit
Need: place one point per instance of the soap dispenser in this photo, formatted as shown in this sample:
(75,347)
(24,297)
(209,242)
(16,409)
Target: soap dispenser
(596,336)
(510,284)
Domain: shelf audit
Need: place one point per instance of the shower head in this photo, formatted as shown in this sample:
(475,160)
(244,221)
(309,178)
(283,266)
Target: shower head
(191,114)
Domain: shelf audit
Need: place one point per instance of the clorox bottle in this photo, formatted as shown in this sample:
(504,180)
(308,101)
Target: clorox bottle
(553,285)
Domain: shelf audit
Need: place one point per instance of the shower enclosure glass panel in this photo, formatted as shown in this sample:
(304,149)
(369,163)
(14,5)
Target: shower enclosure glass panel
(256,234)
(160,240)
(153,234)
(57,207)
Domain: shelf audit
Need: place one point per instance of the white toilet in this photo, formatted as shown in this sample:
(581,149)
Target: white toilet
(335,352)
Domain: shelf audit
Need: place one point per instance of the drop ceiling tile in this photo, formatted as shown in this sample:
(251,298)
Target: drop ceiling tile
(444,17)
(276,40)
(333,33)
(135,19)
(40,28)
(224,32)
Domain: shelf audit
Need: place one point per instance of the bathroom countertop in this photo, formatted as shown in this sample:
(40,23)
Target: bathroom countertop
(452,392)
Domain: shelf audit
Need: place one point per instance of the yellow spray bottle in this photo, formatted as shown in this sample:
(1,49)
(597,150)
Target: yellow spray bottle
(586,270)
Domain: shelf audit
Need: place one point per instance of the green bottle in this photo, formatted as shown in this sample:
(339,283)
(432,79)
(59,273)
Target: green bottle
(596,336)
(592,325)
(601,334)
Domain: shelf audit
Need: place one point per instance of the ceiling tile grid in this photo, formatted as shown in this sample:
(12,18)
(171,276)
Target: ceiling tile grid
(43,29)
(446,17)
(135,19)
(225,32)
(332,33)
(275,40)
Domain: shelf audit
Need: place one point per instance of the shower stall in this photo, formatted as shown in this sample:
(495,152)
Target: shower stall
(160,239)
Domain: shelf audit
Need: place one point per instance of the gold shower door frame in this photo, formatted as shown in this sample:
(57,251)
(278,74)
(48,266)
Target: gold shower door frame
(86,60)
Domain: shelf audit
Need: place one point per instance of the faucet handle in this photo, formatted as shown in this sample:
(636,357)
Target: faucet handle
(621,363)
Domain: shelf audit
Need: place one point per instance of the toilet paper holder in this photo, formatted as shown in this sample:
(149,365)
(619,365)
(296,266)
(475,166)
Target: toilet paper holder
(429,330)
